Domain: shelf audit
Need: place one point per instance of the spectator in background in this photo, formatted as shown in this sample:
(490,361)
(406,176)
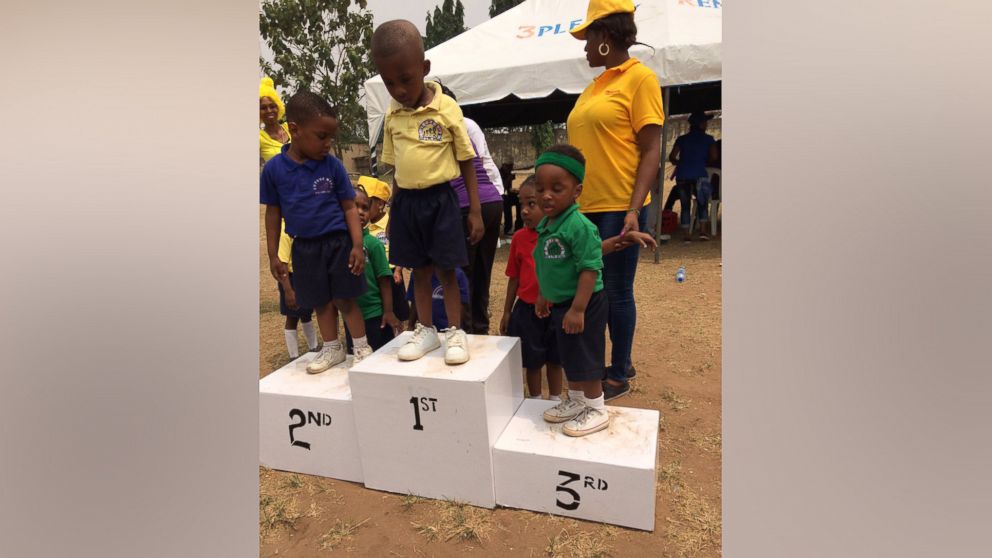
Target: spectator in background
(690,155)
(510,199)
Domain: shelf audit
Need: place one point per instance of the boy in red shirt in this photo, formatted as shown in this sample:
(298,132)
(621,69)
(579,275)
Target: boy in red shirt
(537,338)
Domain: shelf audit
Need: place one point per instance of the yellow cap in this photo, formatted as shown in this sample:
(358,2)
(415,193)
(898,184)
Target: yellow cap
(374,187)
(267,88)
(599,9)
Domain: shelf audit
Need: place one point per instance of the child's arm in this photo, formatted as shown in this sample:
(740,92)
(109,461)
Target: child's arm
(475,229)
(541,306)
(621,241)
(356,260)
(511,296)
(273,218)
(290,294)
(574,321)
(386,294)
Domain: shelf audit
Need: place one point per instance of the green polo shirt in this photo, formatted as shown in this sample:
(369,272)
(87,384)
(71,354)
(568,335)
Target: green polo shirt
(569,245)
(376,266)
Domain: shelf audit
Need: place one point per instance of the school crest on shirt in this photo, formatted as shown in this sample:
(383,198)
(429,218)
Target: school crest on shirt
(323,185)
(554,249)
(382,238)
(430,130)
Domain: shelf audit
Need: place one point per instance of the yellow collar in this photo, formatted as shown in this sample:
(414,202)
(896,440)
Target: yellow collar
(618,69)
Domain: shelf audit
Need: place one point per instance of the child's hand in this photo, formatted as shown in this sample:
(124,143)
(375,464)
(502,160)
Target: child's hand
(389,319)
(356,260)
(398,275)
(541,307)
(636,237)
(290,299)
(504,323)
(475,227)
(278,269)
(574,321)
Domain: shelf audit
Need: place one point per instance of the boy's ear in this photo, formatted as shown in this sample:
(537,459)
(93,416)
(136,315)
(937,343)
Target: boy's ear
(293,129)
(427,67)
(578,190)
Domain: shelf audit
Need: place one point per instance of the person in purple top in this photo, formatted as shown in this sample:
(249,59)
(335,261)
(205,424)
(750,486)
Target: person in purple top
(475,314)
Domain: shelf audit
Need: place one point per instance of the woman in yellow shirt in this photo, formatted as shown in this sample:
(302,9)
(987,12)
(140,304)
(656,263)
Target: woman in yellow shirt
(616,123)
(272,134)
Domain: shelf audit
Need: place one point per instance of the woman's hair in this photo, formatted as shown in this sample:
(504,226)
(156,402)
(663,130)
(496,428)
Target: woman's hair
(619,28)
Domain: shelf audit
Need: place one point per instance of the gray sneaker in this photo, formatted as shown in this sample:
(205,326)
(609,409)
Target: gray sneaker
(564,411)
(455,346)
(588,421)
(326,358)
(361,354)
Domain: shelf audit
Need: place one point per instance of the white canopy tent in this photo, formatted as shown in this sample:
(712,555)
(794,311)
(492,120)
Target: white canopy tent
(527,52)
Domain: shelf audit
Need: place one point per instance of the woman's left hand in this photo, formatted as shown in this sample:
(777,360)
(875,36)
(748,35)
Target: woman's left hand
(630,223)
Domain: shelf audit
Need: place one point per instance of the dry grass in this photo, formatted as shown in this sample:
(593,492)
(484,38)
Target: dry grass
(455,520)
(276,512)
(409,501)
(342,530)
(697,525)
(674,400)
(712,443)
(581,544)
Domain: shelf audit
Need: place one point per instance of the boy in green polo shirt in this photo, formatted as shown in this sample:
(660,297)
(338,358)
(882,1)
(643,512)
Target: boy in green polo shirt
(568,261)
(376,303)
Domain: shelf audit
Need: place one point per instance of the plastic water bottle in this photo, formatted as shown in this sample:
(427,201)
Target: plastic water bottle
(680,275)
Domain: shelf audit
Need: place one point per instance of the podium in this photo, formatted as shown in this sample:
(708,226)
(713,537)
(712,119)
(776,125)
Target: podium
(608,476)
(306,424)
(427,428)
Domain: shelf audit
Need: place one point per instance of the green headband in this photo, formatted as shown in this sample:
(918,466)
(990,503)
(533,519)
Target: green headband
(577,169)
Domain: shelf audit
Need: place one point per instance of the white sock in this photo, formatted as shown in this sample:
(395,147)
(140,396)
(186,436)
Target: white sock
(360,342)
(554,398)
(335,344)
(598,403)
(577,396)
(291,344)
(310,334)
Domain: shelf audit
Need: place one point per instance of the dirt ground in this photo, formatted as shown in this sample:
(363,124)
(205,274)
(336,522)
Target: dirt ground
(677,356)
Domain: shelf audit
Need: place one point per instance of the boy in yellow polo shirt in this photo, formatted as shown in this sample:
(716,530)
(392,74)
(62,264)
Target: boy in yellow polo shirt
(425,139)
(287,302)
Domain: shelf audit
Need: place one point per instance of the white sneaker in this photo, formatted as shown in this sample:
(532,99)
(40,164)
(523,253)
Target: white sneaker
(423,341)
(326,358)
(567,409)
(455,346)
(588,421)
(361,354)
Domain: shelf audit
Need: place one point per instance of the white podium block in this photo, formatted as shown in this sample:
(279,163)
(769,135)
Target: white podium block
(306,423)
(607,477)
(427,428)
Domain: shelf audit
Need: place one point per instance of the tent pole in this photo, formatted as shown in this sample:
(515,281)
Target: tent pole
(659,201)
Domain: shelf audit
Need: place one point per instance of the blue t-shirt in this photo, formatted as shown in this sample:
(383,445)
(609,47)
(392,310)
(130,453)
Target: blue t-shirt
(440,317)
(694,151)
(309,194)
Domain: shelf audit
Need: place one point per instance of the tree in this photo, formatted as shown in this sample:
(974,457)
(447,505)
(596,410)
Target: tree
(448,21)
(542,136)
(323,46)
(497,7)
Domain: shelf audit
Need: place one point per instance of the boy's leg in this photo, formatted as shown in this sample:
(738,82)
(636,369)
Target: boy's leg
(554,380)
(332,353)
(289,332)
(309,333)
(452,297)
(534,382)
(327,321)
(422,293)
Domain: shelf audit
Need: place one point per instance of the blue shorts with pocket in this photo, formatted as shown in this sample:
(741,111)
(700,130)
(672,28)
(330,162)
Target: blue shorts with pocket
(320,270)
(583,355)
(538,344)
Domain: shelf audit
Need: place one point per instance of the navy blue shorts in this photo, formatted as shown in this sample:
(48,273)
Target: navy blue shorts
(425,228)
(320,270)
(537,338)
(300,312)
(583,355)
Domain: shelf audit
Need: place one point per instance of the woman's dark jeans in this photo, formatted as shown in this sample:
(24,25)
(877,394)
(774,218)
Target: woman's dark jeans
(618,282)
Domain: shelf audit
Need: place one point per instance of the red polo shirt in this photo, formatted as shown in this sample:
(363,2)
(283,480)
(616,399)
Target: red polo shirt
(520,264)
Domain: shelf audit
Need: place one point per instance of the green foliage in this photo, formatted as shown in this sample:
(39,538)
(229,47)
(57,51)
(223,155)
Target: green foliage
(448,21)
(542,136)
(497,7)
(323,46)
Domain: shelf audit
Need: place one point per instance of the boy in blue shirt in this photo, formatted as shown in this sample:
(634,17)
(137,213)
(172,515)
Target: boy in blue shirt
(309,189)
